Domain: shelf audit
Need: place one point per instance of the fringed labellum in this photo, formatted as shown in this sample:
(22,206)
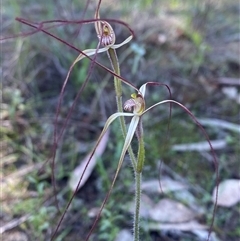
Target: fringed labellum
(104,31)
(137,103)
(106,35)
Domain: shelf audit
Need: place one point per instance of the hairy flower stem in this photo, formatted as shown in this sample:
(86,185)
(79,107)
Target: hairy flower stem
(141,147)
(118,89)
(138,177)
(137,164)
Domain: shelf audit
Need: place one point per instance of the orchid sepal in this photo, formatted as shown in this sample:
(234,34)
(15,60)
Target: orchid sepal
(127,40)
(131,130)
(90,52)
(107,124)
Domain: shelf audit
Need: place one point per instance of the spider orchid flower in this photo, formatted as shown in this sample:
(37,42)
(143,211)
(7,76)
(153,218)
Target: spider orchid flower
(106,36)
(137,105)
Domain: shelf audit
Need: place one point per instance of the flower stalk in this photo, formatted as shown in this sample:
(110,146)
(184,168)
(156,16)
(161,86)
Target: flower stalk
(136,222)
(141,147)
(118,90)
(105,35)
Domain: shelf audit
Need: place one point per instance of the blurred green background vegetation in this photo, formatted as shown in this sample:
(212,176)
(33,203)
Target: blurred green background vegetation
(192,46)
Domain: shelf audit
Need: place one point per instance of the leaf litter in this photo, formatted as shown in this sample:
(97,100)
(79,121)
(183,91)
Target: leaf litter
(78,171)
(228,194)
(167,185)
(169,214)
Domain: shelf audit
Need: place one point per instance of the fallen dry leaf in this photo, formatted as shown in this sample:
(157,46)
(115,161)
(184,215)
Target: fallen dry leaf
(228,193)
(165,185)
(170,211)
(200,146)
(203,235)
(200,230)
(77,172)
(228,81)
(124,235)
(220,124)
(185,226)
(186,197)
(232,93)
(15,236)
(14,185)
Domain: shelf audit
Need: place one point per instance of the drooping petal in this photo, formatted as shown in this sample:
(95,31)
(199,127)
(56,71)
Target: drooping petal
(106,126)
(131,130)
(116,46)
(159,103)
(111,119)
(89,52)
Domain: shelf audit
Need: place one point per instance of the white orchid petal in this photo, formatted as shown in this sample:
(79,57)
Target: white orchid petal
(163,102)
(131,130)
(113,117)
(159,103)
(128,139)
(116,46)
(142,89)
(107,124)
(90,52)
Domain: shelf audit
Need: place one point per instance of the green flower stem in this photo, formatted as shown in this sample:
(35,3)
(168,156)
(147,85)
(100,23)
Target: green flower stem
(118,89)
(137,164)
(141,148)
(115,65)
(136,224)
(138,177)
